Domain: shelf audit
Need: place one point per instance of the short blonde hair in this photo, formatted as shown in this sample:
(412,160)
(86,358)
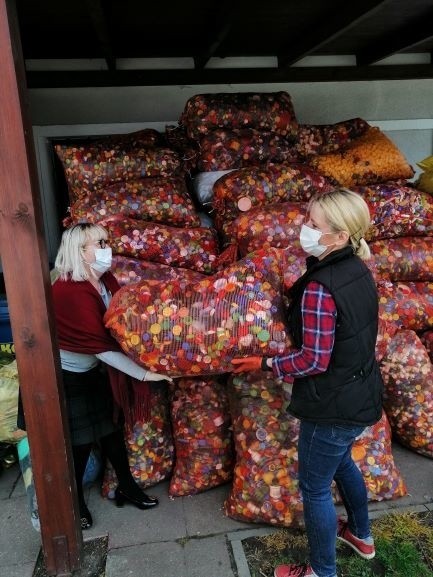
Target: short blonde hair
(69,261)
(345,210)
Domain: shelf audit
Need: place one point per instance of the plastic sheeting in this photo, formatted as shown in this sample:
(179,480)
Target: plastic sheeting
(408,401)
(270,111)
(162,200)
(371,158)
(197,329)
(202,436)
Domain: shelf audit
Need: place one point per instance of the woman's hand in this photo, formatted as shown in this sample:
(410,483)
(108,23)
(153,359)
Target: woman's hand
(150,376)
(246,364)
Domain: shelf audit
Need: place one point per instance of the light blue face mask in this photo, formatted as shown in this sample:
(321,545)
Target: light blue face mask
(103,259)
(309,239)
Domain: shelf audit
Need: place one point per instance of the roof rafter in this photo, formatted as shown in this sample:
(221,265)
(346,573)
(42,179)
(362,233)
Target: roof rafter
(410,35)
(326,28)
(222,26)
(99,21)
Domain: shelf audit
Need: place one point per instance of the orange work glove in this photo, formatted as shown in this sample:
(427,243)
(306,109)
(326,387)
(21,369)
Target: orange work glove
(245,364)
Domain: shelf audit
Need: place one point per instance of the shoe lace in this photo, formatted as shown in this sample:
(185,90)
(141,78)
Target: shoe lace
(301,570)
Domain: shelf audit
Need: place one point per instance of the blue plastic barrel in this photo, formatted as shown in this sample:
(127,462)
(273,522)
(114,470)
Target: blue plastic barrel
(5,327)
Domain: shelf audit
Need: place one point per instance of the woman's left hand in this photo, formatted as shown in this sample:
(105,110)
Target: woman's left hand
(246,364)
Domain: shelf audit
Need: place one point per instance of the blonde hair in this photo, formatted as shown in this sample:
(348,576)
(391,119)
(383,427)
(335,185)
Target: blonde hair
(69,261)
(345,210)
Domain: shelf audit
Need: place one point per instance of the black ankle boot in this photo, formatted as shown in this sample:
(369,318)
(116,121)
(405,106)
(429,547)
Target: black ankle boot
(142,501)
(85,517)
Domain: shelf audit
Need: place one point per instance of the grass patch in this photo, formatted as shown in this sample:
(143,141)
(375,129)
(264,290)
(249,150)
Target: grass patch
(404,548)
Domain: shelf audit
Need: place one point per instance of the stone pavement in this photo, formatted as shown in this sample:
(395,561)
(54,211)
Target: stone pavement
(183,537)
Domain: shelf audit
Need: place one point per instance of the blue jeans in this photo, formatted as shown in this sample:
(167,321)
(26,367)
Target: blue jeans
(325,454)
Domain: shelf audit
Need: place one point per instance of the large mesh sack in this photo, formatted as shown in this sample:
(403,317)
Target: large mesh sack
(404,258)
(272,225)
(293,263)
(407,305)
(187,148)
(243,189)
(199,328)
(270,111)
(397,210)
(371,158)
(224,149)
(194,248)
(92,166)
(427,340)
(149,445)
(386,330)
(408,400)
(128,270)
(265,483)
(326,138)
(202,435)
(372,453)
(158,199)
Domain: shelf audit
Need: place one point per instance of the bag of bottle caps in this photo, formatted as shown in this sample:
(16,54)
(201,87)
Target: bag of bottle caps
(425,179)
(265,484)
(371,158)
(407,305)
(128,270)
(202,435)
(149,445)
(372,453)
(397,210)
(314,139)
(241,190)
(197,329)
(157,199)
(427,340)
(91,167)
(408,400)
(193,248)
(268,111)
(406,258)
(272,225)
(224,149)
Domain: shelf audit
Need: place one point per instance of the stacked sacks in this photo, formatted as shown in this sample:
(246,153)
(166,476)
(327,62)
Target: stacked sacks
(265,484)
(202,433)
(196,329)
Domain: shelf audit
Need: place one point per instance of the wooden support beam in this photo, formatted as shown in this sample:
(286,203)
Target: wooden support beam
(330,25)
(173,77)
(218,31)
(412,34)
(27,280)
(99,22)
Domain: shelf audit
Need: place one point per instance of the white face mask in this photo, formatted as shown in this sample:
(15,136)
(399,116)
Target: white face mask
(103,258)
(309,239)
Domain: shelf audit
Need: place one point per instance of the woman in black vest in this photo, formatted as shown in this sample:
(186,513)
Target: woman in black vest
(337,386)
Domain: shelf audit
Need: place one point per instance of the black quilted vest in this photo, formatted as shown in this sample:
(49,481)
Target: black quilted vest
(350,391)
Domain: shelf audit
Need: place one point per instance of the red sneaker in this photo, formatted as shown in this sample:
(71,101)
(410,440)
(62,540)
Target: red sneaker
(364,550)
(294,571)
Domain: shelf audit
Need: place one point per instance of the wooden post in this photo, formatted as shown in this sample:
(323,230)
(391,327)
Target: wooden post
(26,273)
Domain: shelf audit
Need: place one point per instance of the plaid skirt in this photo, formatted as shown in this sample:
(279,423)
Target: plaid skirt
(89,404)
